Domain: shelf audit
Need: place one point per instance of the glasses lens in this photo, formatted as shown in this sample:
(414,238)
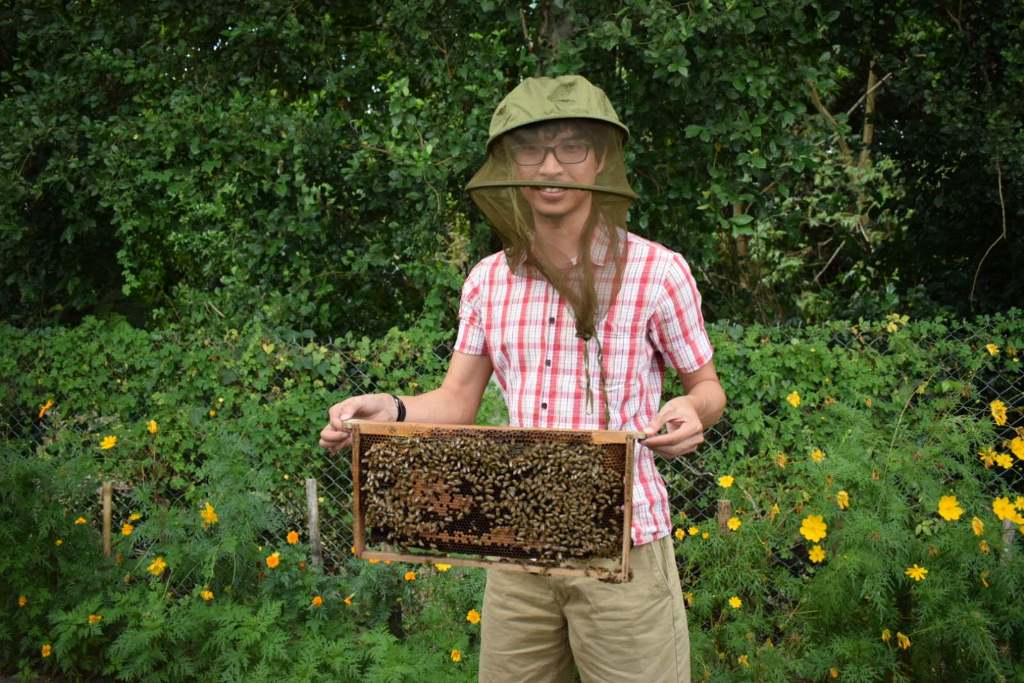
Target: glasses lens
(571,152)
(528,155)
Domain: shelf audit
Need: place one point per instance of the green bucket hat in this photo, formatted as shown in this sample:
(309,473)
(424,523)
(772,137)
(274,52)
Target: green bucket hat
(544,99)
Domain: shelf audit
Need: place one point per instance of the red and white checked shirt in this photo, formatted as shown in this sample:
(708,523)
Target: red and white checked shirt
(528,331)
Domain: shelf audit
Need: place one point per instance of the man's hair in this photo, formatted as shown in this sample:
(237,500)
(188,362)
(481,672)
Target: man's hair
(594,132)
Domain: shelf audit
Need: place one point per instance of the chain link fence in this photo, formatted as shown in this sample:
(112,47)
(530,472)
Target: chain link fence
(691,484)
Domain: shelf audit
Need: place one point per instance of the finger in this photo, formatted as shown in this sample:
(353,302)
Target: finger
(339,413)
(685,446)
(677,430)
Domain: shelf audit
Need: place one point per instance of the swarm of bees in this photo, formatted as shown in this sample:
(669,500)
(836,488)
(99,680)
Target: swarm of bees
(539,500)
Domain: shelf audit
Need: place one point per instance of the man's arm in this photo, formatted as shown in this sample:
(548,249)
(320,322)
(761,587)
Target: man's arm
(686,417)
(454,402)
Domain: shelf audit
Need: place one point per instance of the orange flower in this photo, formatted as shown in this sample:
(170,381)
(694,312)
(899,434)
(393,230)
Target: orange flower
(348,600)
(95,618)
(456,656)
(206,595)
(80,521)
(410,575)
(292,537)
(473,617)
(127,529)
(317,601)
(22,601)
(46,650)
(44,409)
(903,640)
(273,560)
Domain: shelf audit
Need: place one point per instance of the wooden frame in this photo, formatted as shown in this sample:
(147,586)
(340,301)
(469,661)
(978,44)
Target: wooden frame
(610,569)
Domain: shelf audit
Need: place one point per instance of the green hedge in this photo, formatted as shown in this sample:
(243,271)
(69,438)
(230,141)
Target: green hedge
(899,410)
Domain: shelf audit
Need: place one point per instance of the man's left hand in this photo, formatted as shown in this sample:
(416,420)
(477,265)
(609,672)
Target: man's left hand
(685,432)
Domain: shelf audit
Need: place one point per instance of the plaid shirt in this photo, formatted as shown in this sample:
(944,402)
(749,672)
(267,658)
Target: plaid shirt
(528,332)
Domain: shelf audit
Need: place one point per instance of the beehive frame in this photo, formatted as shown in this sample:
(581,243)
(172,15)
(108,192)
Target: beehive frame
(619,445)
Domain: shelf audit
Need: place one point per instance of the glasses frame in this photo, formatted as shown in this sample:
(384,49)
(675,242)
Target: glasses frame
(553,149)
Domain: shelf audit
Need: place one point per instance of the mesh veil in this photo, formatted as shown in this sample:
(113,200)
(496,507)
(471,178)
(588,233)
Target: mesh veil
(553,117)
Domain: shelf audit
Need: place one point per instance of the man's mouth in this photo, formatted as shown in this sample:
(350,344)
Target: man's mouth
(552,191)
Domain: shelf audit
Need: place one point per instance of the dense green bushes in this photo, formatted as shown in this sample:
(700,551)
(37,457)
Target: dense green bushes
(899,412)
(308,162)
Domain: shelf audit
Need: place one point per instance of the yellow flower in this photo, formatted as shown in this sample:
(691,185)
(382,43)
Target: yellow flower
(317,601)
(353,550)
(984,547)
(843,500)
(134,517)
(680,534)
(817,554)
(1004,460)
(992,349)
(781,459)
(868,402)
(456,656)
(22,601)
(916,573)
(833,672)
(987,457)
(688,596)
(886,635)
(949,508)
(95,618)
(46,650)
(152,427)
(998,409)
(157,566)
(693,530)
(206,595)
(108,442)
(903,641)
(59,542)
(473,617)
(209,515)
(725,481)
(442,567)
(410,575)
(80,521)
(984,579)
(705,535)
(127,529)
(1017,446)
(734,523)
(292,537)
(213,412)
(1004,510)
(348,600)
(743,660)
(817,455)
(45,408)
(793,399)
(273,559)
(813,528)
(735,602)
(774,512)
(373,560)
(977,526)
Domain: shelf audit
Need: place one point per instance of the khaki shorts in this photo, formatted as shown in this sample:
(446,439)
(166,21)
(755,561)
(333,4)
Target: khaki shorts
(534,628)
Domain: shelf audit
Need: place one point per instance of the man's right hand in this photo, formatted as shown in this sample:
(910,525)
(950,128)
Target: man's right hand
(378,407)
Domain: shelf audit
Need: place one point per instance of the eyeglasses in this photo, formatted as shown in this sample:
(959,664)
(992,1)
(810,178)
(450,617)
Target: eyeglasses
(571,152)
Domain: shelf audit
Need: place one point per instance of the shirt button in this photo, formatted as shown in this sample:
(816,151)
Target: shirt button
(551,320)
(548,362)
(544,406)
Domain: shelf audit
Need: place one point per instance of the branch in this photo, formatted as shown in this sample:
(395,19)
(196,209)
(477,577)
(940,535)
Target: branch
(867,92)
(847,155)
(1002,208)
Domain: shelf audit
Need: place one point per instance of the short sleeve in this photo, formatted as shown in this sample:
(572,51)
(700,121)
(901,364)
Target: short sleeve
(677,326)
(471,339)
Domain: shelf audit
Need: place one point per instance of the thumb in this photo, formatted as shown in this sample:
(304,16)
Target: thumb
(656,424)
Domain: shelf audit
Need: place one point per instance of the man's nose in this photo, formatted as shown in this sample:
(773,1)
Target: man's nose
(550,164)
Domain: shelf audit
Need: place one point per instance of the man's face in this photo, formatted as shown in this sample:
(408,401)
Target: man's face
(559,152)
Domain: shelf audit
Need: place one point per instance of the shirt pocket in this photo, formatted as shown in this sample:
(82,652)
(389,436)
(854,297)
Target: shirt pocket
(619,356)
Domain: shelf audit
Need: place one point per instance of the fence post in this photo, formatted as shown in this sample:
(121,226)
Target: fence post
(106,497)
(724,513)
(1009,531)
(313,517)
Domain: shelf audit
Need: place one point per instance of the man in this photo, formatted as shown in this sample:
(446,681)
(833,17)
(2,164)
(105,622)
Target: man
(576,318)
